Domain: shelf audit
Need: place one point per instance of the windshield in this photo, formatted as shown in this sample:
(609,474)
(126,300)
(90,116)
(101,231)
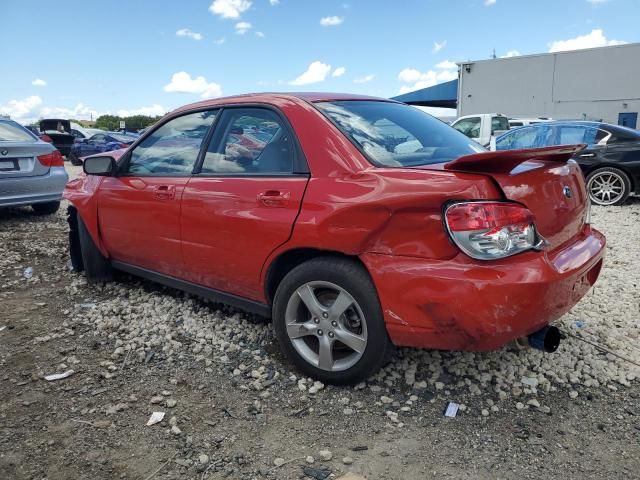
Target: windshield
(396,134)
(12,132)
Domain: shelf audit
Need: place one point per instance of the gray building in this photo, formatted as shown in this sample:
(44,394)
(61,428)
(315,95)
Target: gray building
(593,84)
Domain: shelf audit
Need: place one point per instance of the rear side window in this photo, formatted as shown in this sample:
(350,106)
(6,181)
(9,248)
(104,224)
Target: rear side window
(469,127)
(250,141)
(173,148)
(397,135)
(13,132)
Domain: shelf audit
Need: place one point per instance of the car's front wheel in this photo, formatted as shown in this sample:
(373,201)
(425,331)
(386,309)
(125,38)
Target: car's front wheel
(608,186)
(46,208)
(329,322)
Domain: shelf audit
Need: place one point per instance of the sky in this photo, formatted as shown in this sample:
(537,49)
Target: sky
(80,59)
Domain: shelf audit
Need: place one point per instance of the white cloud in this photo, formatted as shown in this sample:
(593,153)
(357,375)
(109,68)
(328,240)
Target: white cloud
(154,110)
(185,32)
(220,41)
(79,112)
(594,39)
(488,3)
(438,46)
(181,82)
(331,21)
(260,34)
(446,65)
(414,79)
(21,109)
(364,79)
(338,72)
(511,53)
(243,27)
(597,2)
(230,8)
(274,2)
(38,82)
(317,72)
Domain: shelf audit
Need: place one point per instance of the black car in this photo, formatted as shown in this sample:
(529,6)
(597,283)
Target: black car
(610,163)
(59,131)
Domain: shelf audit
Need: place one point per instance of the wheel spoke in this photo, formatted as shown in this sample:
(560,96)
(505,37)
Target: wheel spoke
(340,305)
(325,353)
(297,330)
(351,340)
(308,297)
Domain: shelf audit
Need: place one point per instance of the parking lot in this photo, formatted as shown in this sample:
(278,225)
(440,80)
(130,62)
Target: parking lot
(234,407)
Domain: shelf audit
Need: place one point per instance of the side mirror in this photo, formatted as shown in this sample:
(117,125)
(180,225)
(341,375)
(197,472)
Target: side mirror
(103,166)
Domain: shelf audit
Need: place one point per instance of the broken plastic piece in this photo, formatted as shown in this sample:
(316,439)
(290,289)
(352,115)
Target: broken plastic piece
(58,376)
(28,273)
(452,409)
(156,417)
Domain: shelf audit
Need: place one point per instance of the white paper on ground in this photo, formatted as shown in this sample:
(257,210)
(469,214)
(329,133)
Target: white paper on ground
(156,417)
(58,376)
(452,409)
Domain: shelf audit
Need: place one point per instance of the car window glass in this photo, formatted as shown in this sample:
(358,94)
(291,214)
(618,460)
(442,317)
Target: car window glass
(12,132)
(499,124)
(469,126)
(97,139)
(601,137)
(397,135)
(572,135)
(251,141)
(520,138)
(173,148)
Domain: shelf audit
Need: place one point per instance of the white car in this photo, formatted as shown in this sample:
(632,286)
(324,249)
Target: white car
(482,128)
(523,122)
(81,132)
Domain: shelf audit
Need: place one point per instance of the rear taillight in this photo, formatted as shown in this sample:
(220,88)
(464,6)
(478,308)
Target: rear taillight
(491,230)
(53,159)
(46,138)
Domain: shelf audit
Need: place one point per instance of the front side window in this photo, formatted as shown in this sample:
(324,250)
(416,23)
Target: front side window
(98,139)
(173,148)
(524,137)
(250,141)
(397,135)
(469,127)
(13,132)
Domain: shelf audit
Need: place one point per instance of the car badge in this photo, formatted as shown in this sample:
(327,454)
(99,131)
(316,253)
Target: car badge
(4,152)
(567,192)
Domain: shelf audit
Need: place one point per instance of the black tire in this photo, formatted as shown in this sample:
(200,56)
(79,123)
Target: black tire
(355,280)
(46,208)
(620,178)
(96,266)
(73,158)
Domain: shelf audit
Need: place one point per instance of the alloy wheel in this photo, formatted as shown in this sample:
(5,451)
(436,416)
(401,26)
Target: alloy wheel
(326,326)
(606,188)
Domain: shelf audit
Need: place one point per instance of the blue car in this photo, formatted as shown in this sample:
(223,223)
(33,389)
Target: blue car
(98,143)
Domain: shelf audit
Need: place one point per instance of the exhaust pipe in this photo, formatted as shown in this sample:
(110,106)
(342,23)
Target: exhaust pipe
(546,339)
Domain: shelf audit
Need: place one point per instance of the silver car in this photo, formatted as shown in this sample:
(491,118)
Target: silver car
(31,171)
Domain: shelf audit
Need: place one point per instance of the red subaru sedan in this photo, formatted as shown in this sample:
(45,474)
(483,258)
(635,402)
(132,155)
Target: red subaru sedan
(355,223)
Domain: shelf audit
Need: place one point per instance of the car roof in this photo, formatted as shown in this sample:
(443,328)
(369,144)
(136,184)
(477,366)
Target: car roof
(268,97)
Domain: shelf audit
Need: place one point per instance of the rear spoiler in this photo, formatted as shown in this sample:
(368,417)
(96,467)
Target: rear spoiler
(504,161)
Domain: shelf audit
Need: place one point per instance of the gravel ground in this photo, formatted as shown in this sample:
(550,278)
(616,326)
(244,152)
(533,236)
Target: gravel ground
(234,408)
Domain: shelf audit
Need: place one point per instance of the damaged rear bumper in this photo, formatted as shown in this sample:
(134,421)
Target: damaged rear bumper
(465,304)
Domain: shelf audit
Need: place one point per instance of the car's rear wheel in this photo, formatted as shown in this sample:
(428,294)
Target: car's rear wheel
(46,208)
(328,320)
(96,266)
(73,158)
(608,186)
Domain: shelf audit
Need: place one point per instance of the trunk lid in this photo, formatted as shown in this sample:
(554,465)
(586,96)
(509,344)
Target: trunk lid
(545,180)
(20,159)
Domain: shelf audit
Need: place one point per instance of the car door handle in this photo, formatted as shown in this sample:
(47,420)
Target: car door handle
(587,155)
(274,198)
(164,192)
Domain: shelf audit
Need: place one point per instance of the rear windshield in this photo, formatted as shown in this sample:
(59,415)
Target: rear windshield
(12,132)
(124,138)
(397,135)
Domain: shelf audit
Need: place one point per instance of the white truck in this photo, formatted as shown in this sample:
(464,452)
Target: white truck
(483,127)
